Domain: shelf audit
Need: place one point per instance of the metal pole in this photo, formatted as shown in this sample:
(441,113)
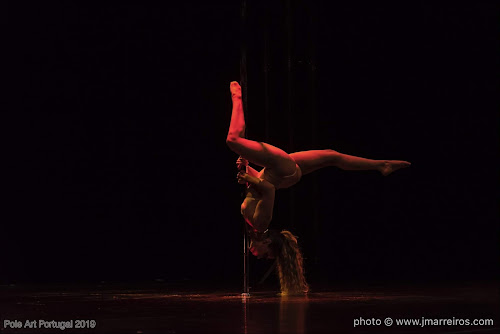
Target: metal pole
(246,267)
(290,109)
(243,82)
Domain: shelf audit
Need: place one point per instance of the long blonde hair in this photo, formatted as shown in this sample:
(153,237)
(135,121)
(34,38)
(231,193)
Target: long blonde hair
(290,264)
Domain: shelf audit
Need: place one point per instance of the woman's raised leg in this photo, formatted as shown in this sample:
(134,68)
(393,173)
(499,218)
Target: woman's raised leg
(309,161)
(259,153)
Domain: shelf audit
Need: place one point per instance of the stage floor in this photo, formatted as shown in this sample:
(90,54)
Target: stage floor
(159,309)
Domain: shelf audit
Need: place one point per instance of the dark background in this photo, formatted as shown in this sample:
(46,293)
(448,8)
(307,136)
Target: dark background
(115,118)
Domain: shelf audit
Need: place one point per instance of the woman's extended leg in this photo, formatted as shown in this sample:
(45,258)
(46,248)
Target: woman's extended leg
(259,153)
(309,161)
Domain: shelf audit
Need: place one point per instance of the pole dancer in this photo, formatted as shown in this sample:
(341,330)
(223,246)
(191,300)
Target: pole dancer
(281,170)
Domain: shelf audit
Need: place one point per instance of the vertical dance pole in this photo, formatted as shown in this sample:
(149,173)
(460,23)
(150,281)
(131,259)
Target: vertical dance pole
(290,86)
(313,79)
(266,73)
(243,82)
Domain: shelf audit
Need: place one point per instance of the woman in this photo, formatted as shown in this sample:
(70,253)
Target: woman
(281,170)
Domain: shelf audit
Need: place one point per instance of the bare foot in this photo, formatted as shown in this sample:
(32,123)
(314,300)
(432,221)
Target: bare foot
(392,166)
(235,89)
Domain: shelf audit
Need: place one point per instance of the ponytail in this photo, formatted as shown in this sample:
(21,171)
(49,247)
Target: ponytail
(290,263)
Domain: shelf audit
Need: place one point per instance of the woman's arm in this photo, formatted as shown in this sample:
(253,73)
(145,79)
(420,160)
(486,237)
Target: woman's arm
(252,172)
(264,208)
(244,162)
(261,185)
(264,211)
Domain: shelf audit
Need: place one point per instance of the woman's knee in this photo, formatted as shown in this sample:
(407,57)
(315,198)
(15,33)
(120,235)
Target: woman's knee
(232,139)
(232,143)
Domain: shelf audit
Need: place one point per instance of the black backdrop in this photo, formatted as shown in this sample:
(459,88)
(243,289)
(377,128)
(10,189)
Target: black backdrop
(114,125)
